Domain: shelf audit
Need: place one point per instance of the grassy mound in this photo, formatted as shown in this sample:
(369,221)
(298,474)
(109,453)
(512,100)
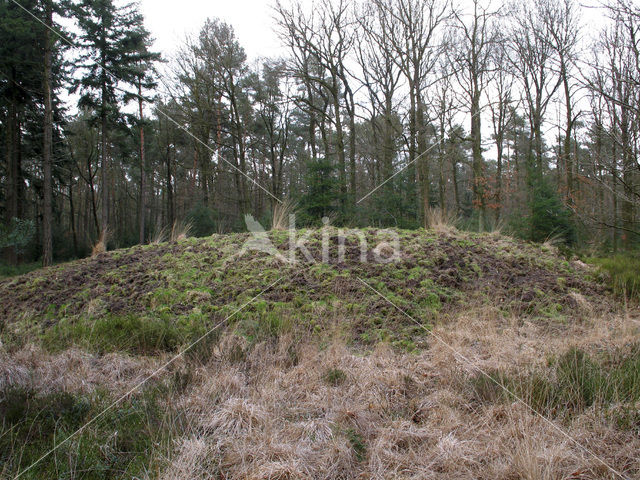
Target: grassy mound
(158,297)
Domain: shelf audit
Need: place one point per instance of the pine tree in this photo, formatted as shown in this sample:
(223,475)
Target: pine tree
(47,240)
(113,40)
(144,59)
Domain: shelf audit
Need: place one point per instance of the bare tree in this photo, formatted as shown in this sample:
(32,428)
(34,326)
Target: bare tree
(615,79)
(532,55)
(500,100)
(413,29)
(324,39)
(381,78)
(472,61)
(561,22)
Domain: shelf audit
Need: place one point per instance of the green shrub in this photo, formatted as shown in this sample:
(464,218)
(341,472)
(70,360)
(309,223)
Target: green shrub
(548,217)
(321,196)
(203,221)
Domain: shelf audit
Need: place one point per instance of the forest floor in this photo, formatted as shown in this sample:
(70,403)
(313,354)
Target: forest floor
(443,355)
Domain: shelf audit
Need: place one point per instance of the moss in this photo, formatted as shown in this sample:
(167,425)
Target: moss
(161,295)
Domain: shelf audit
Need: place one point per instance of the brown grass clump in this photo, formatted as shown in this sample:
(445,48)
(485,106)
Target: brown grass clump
(159,236)
(101,245)
(440,220)
(180,231)
(281,214)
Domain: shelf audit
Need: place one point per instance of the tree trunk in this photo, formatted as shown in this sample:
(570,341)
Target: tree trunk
(423,163)
(169,187)
(104,177)
(568,159)
(14,169)
(478,163)
(143,169)
(47,243)
(342,165)
(72,216)
(13,173)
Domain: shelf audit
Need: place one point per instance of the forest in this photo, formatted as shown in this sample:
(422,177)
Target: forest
(521,116)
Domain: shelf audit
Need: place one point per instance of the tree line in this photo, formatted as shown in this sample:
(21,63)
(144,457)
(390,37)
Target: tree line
(514,115)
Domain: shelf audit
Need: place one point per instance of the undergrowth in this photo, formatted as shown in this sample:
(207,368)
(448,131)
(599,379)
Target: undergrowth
(122,443)
(622,273)
(7,270)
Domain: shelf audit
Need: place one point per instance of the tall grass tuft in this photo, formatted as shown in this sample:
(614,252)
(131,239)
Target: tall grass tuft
(440,220)
(281,213)
(181,230)
(159,236)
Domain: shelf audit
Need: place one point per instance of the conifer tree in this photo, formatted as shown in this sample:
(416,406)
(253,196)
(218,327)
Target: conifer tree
(113,42)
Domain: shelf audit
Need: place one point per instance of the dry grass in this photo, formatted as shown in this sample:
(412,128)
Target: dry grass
(268,411)
(101,245)
(440,220)
(394,415)
(73,371)
(180,231)
(281,214)
(160,235)
(552,242)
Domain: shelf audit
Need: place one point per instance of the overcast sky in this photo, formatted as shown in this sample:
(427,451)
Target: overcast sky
(170,20)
